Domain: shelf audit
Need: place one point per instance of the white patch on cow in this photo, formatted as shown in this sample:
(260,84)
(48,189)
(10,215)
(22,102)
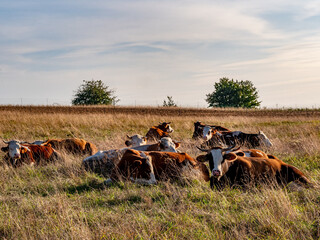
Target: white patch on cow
(264,139)
(236,133)
(137,140)
(167,145)
(98,156)
(217,158)
(207,133)
(170,129)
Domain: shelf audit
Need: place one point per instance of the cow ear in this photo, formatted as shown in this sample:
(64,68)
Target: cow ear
(202,158)
(137,163)
(24,150)
(5,149)
(230,157)
(177,144)
(241,154)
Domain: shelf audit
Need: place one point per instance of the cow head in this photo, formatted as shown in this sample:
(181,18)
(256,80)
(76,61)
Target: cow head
(168,145)
(136,140)
(197,125)
(144,173)
(219,159)
(208,132)
(263,138)
(14,149)
(165,126)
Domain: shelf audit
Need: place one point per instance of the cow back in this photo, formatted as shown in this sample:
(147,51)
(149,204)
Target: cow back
(43,153)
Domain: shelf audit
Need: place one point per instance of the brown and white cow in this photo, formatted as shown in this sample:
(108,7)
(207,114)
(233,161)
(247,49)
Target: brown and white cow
(104,161)
(199,129)
(19,153)
(229,169)
(136,140)
(72,145)
(160,131)
(149,167)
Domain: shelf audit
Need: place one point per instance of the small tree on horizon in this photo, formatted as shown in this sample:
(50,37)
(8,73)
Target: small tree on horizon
(169,102)
(233,93)
(94,92)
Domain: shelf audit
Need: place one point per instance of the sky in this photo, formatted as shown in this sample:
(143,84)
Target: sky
(147,50)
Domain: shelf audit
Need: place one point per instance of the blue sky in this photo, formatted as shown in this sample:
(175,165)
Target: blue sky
(146,50)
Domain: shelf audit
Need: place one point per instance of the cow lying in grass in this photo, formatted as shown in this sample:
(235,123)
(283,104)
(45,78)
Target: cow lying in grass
(19,153)
(104,161)
(227,168)
(199,130)
(150,167)
(71,145)
(160,131)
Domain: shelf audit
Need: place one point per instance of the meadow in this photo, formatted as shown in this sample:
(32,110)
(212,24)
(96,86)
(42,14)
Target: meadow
(62,201)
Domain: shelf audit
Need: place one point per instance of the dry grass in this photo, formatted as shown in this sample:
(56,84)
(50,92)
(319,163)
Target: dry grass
(61,201)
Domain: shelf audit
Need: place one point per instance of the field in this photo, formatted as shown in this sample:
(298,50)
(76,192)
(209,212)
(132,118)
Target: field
(62,201)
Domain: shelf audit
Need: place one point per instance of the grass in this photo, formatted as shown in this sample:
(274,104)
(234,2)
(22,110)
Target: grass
(62,201)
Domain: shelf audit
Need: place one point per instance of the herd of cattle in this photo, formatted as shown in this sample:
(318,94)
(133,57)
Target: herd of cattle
(231,161)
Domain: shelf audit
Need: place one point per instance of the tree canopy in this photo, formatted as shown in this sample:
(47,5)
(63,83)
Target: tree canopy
(169,103)
(94,92)
(233,93)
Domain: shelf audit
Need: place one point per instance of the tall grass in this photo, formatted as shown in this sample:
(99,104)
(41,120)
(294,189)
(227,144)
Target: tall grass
(62,201)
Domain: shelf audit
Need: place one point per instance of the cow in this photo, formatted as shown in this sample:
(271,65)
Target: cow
(228,168)
(72,145)
(136,140)
(160,131)
(18,153)
(240,138)
(199,129)
(104,161)
(150,167)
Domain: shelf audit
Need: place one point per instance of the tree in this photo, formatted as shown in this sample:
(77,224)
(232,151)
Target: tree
(233,93)
(94,92)
(170,102)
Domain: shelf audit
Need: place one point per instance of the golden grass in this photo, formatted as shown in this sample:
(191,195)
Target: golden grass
(61,201)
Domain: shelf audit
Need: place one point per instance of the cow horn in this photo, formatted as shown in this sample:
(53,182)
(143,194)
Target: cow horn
(232,148)
(128,136)
(228,148)
(202,149)
(6,142)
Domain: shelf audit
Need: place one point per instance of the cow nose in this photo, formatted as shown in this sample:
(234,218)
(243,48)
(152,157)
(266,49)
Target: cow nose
(216,173)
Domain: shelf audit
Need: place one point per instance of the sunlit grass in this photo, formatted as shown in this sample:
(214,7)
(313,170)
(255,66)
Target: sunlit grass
(62,201)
